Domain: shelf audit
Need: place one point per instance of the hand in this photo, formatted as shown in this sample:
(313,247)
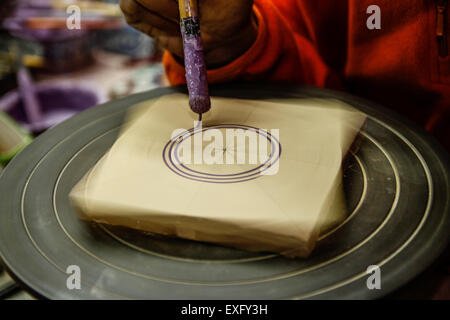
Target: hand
(228,27)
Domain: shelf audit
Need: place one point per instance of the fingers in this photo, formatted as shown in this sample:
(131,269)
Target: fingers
(165,8)
(145,20)
(165,31)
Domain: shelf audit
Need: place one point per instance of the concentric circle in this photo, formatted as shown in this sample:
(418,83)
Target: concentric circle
(397,190)
(173,160)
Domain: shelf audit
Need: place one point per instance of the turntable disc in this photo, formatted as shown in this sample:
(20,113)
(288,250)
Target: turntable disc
(397,188)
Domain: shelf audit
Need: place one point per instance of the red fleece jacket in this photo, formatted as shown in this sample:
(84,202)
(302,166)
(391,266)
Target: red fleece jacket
(326,43)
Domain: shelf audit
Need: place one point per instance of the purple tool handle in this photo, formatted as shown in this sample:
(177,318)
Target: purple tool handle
(195,66)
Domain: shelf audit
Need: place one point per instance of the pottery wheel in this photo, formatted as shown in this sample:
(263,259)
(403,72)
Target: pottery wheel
(397,189)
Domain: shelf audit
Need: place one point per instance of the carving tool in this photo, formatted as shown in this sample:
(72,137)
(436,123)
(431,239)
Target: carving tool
(194,60)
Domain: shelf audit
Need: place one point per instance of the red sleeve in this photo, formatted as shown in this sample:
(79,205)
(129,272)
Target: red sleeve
(282,51)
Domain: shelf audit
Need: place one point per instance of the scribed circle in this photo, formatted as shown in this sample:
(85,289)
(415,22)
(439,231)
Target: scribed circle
(172,161)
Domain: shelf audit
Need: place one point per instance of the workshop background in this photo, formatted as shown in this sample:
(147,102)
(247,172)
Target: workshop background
(103,61)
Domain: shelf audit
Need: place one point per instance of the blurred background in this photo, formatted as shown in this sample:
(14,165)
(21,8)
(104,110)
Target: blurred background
(50,70)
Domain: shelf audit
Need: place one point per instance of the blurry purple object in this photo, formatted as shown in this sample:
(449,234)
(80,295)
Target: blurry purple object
(58,102)
(28,95)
